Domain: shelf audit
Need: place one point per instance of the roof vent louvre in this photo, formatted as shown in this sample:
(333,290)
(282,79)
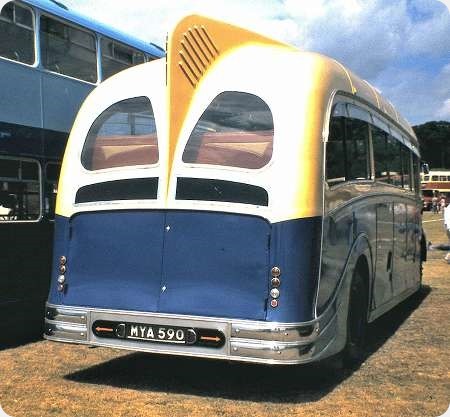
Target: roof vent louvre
(197,53)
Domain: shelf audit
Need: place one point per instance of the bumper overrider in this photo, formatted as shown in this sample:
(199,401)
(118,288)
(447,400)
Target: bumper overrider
(208,337)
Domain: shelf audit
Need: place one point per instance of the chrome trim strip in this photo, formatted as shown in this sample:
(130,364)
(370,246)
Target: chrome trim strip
(68,315)
(273,351)
(65,331)
(239,322)
(275,332)
(246,340)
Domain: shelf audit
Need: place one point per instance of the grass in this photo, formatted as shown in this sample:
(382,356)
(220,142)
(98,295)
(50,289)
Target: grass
(405,373)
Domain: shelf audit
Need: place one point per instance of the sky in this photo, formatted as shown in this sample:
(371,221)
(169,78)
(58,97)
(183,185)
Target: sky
(402,47)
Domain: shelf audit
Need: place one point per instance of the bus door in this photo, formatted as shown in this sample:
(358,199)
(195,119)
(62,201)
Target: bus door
(400,275)
(383,287)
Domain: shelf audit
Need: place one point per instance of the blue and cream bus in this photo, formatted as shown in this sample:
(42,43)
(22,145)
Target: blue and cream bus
(238,200)
(50,59)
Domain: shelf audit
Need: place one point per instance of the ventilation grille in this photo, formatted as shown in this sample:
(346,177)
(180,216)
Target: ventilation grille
(197,53)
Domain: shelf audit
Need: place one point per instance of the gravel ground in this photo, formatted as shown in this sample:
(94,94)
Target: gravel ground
(405,373)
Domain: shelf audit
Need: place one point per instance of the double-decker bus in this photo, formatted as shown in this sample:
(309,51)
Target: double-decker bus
(50,59)
(435,183)
(238,200)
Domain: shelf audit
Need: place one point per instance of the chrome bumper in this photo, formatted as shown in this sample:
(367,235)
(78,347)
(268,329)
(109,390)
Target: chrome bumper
(247,341)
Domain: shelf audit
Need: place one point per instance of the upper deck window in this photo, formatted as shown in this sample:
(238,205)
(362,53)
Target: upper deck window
(117,57)
(236,130)
(123,135)
(17,33)
(68,50)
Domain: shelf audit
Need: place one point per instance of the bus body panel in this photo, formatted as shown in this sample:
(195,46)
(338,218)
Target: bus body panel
(392,226)
(382,290)
(215,264)
(61,98)
(193,263)
(17,82)
(114,259)
(190,263)
(295,245)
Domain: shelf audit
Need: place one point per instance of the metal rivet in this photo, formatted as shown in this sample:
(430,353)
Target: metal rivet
(274,303)
(62,269)
(167,228)
(163,288)
(61,279)
(63,260)
(235,349)
(274,293)
(237,330)
(286,333)
(276,271)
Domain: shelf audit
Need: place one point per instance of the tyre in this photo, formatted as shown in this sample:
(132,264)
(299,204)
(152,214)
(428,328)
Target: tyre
(353,352)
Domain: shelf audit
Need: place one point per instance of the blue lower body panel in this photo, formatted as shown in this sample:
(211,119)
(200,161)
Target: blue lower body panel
(189,263)
(196,263)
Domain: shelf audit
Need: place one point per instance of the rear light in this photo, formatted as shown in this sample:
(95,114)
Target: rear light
(276,272)
(274,293)
(62,270)
(275,283)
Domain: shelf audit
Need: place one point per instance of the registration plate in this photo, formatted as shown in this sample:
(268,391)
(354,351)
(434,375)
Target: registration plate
(146,332)
(156,333)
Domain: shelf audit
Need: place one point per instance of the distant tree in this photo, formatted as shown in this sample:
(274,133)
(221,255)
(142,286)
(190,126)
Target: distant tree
(434,139)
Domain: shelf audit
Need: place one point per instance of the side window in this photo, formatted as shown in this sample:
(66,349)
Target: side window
(406,166)
(20,198)
(123,135)
(380,155)
(347,154)
(335,153)
(236,130)
(68,50)
(52,170)
(395,161)
(416,173)
(357,144)
(17,33)
(117,57)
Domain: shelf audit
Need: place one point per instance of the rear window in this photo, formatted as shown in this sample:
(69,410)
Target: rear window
(236,130)
(123,135)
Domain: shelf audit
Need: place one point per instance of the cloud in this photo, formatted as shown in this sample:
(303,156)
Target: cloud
(377,39)
(444,111)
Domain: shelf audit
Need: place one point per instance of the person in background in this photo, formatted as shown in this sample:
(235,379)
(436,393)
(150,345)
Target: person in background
(447,229)
(434,203)
(442,203)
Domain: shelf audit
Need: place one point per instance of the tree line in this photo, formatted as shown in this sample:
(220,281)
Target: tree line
(434,140)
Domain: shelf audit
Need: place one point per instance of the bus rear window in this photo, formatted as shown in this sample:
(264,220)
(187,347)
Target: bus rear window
(236,130)
(123,135)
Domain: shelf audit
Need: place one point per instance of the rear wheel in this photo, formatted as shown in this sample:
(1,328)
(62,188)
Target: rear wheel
(353,352)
